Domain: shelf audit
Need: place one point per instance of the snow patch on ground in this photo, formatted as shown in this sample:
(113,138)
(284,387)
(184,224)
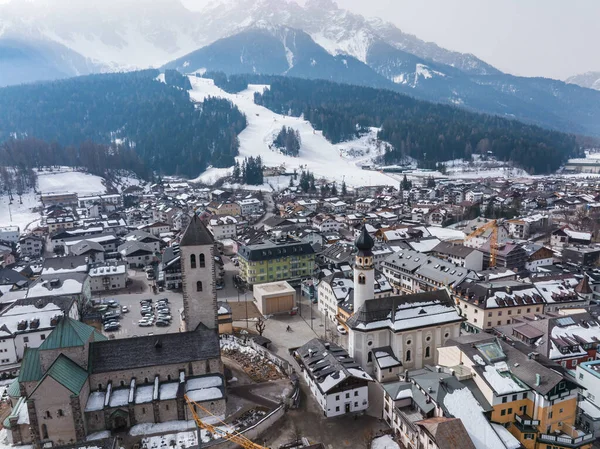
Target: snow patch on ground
(316,154)
(163,427)
(68,181)
(4,444)
(384,442)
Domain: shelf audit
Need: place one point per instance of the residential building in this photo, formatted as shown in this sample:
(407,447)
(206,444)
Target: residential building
(59,199)
(249,206)
(31,246)
(10,234)
(157,228)
(137,254)
(587,375)
(487,304)
(281,259)
(338,383)
(560,292)
(506,255)
(537,256)
(565,340)
(460,255)
(169,270)
(566,236)
(226,208)
(108,276)
(535,403)
(144,237)
(223,227)
(581,256)
(415,405)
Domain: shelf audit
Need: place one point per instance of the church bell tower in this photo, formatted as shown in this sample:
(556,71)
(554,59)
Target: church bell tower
(364,271)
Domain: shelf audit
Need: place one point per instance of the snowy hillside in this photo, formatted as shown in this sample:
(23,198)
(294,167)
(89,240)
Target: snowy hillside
(591,80)
(316,153)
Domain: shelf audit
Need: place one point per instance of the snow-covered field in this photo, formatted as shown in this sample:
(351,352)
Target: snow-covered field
(20,215)
(316,154)
(70,181)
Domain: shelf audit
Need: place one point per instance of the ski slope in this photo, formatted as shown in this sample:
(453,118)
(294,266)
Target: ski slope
(68,181)
(317,154)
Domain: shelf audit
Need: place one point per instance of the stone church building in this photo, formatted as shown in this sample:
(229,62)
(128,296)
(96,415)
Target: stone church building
(79,382)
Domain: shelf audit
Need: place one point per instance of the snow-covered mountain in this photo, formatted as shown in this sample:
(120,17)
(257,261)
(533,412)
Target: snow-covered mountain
(591,80)
(130,33)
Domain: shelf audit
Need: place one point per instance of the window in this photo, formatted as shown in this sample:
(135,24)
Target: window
(409,341)
(337,397)
(427,352)
(202,261)
(500,313)
(347,395)
(489,314)
(502,412)
(361,279)
(60,412)
(499,322)
(408,355)
(528,310)
(337,409)
(510,312)
(489,323)
(199,286)
(44,431)
(48,414)
(193,261)
(26,339)
(369,357)
(43,337)
(524,395)
(504,398)
(143,410)
(510,411)
(560,410)
(355,393)
(356,404)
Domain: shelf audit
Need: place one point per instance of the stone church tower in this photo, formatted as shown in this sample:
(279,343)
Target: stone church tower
(364,271)
(198,276)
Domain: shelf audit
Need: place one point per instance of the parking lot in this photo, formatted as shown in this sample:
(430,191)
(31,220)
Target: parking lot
(140,290)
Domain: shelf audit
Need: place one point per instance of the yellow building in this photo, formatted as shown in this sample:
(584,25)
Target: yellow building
(535,403)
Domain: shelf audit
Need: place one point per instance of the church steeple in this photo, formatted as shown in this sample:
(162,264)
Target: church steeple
(364,272)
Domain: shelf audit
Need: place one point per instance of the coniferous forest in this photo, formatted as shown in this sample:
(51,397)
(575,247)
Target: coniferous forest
(156,120)
(288,141)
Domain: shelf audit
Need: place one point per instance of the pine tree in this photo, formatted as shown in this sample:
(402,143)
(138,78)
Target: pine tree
(344,190)
(334,189)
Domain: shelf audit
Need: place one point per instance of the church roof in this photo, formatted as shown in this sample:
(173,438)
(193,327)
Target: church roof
(196,234)
(67,373)
(31,368)
(364,242)
(147,351)
(69,333)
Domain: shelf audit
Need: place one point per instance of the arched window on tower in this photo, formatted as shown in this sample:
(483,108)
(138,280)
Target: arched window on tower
(427,352)
(193,260)
(408,355)
(202,261)
(44,431)
(370,357)
(362,279)
(199,286)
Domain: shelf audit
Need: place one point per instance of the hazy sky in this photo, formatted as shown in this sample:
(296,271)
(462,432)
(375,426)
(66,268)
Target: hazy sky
(552,38)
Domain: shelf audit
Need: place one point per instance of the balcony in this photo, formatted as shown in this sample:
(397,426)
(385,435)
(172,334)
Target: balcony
(566,440)
(525,420)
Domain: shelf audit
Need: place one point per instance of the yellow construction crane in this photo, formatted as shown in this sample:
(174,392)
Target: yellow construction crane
(493,239)
(227,433)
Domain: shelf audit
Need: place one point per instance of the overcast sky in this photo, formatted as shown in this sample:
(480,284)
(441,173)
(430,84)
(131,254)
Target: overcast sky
(552,38)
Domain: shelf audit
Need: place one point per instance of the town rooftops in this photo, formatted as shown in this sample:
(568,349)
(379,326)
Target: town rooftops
(453,249)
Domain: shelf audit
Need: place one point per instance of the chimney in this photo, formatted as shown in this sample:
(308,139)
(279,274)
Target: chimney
(538,380)
(326,345)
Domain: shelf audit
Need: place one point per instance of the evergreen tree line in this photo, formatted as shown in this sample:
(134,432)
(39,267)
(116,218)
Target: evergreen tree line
(249,172)
(426,131)
(157,120)
(288,141)
(30,153)
(17,181)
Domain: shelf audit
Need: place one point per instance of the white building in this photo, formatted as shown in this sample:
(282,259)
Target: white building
(338,384)
(108,276)
(223,227)
(9,234)
(27,323)
(250,206)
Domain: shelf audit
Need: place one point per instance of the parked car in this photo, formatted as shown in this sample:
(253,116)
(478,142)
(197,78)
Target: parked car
(162,323)
(111,327)
(342,330)
(145,301)
(112,303)
(164,317)
(144,323)
(124,309)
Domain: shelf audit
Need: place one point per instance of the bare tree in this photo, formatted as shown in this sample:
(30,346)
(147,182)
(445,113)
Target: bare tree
(260,325)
